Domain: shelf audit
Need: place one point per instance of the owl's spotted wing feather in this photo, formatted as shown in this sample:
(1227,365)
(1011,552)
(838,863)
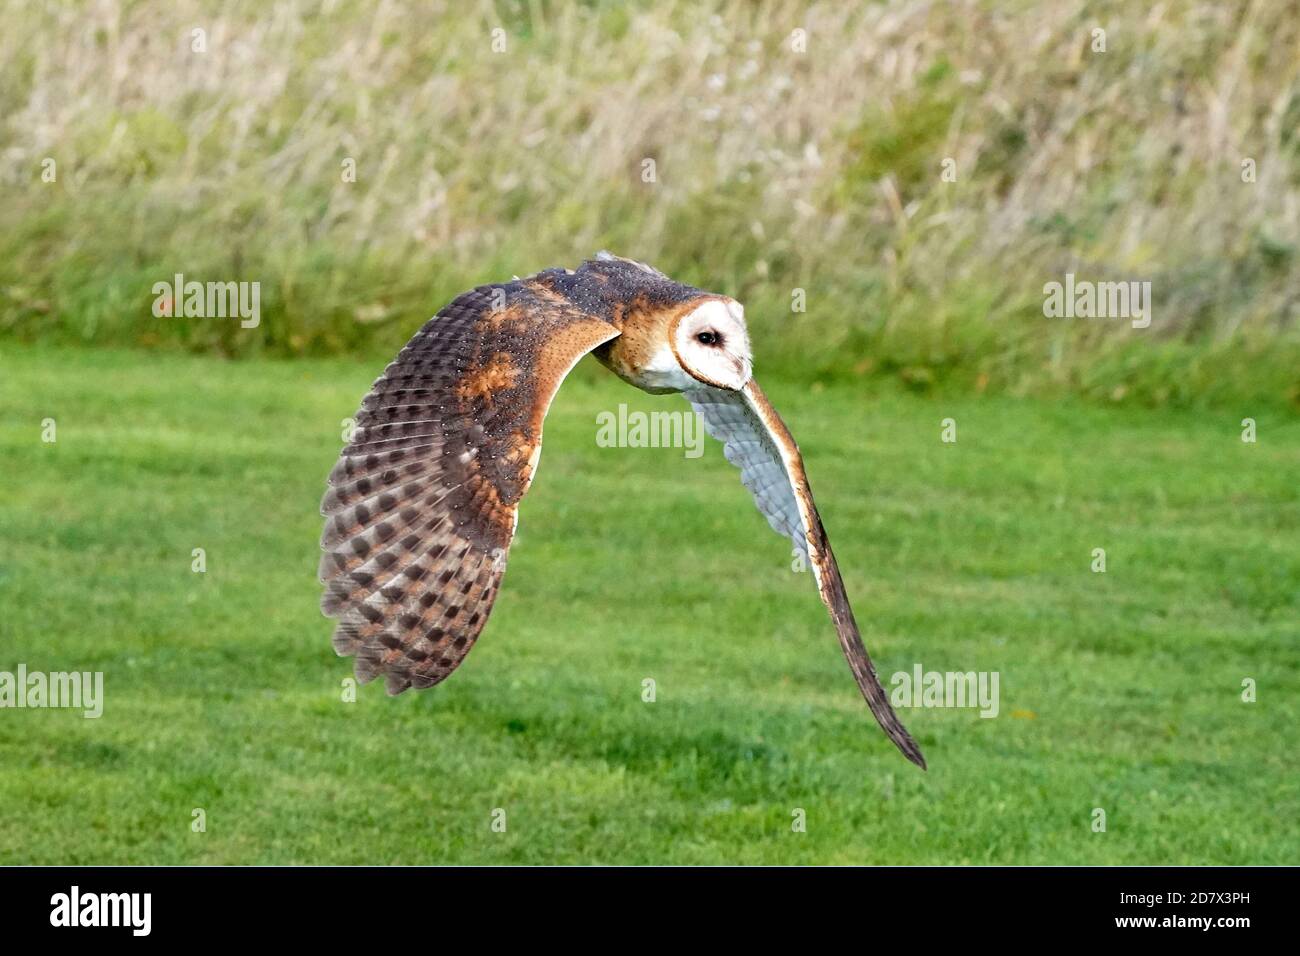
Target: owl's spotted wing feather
(758,443)
(422,505)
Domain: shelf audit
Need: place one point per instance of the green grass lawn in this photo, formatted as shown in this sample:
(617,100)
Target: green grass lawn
(1119,691)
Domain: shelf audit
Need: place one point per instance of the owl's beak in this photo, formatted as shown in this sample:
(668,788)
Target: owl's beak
(744,366)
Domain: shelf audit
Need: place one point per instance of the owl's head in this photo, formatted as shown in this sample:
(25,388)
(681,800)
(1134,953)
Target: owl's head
(711,343)
(674,338)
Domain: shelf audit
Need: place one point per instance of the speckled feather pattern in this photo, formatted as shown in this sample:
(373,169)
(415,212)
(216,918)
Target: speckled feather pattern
(421,507)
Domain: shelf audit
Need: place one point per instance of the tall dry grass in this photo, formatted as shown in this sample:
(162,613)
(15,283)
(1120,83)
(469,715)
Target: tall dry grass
(775,170)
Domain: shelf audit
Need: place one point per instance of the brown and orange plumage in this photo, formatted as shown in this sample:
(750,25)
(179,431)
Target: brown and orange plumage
(422,505)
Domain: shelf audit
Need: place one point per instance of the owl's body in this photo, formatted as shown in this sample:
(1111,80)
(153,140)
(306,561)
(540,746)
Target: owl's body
(423,502)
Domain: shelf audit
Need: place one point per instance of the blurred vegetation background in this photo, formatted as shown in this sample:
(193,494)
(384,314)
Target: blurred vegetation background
(778,166)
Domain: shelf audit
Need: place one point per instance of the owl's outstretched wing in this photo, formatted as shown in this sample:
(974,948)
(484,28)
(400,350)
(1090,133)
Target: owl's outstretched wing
(758,443)
(422,505)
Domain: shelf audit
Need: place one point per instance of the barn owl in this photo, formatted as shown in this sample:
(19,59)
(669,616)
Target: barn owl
(423,502)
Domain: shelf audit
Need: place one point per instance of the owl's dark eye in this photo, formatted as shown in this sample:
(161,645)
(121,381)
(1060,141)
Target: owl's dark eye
(708,338)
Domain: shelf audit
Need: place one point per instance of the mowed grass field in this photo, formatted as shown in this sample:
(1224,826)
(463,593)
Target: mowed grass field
(1119,690)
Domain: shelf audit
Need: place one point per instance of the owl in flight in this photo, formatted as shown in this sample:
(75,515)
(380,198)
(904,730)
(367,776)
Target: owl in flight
(423,502)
